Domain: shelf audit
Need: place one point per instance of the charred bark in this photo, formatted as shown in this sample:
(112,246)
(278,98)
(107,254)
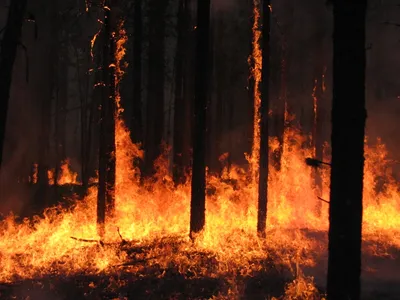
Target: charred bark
(9,44)
(181,116)
(348,130)
(155,93)
(106,189)
(264,111)
(136,118)
(198,199)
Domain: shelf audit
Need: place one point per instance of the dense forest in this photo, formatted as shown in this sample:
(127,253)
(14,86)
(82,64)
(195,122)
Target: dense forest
(166,107)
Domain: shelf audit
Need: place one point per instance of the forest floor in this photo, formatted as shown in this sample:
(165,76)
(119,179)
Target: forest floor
(143,277)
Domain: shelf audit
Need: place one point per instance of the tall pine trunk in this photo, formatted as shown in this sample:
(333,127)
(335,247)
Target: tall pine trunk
(136,117)
(155,92)
(348,129)
(106,190)
(181,117)
(9,44)
(198,196)
(264,112)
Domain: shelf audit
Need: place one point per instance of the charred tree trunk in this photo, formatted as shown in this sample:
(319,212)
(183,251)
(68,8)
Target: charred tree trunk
(181,116)
(9,44)
(319,105)
(348,130)
(47,56)
(264,111)
(136,120)
(106,189)
(155,93)
(198,197)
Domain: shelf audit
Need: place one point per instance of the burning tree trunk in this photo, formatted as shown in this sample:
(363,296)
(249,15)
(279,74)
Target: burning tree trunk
(106,190)
(198,197)
(182,118)
(155,93)
(264,112)
(9,44)
(348,129)
(136,127)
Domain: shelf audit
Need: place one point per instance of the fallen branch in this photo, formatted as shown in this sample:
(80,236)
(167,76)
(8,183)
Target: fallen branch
(323,200)
(88,241)
(316,163)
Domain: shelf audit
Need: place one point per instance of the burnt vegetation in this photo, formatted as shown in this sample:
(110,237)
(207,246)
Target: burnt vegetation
(174,119)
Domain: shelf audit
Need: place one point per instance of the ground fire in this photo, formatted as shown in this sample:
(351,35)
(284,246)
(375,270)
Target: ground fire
(141,246)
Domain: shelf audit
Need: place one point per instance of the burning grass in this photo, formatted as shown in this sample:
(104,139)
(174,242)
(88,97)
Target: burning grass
(148,237)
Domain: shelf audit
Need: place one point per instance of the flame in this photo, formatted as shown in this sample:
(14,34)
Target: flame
(157,213)
(66,175)
(315,109)
(255,62)
(120,51)
(35,173)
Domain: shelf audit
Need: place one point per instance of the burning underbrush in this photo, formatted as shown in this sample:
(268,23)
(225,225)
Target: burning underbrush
(147,251)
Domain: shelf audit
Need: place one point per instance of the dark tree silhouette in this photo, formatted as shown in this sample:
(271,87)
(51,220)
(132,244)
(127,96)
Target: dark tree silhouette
(106,189)
(182,120)
(348,129)
(198,197)
(136,120)
(264,111)
(9,44)
(155,87)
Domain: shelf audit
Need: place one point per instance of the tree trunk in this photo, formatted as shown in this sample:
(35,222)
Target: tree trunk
(155,93)
(348,130)
(264,112)
(9,44)
(181,117)
(106,190)
(198,197)
(137,125)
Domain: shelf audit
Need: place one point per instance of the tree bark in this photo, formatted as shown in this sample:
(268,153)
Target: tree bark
(182,119)
(264,112)
(106,189)
(155,93)
(136,120)
(198,199)
(9,44)
(348,130)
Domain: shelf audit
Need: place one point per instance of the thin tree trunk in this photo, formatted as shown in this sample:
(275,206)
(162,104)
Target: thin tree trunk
(180,107)
(348,130)
(48,57)
(198,197)
(155,94)
(137,123)
(106,189)
(9,44)
(264,111)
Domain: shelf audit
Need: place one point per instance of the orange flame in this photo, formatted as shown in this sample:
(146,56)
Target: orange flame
(255,62)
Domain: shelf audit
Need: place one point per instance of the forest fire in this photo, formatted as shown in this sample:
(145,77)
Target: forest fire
(34,248)
(135,230)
